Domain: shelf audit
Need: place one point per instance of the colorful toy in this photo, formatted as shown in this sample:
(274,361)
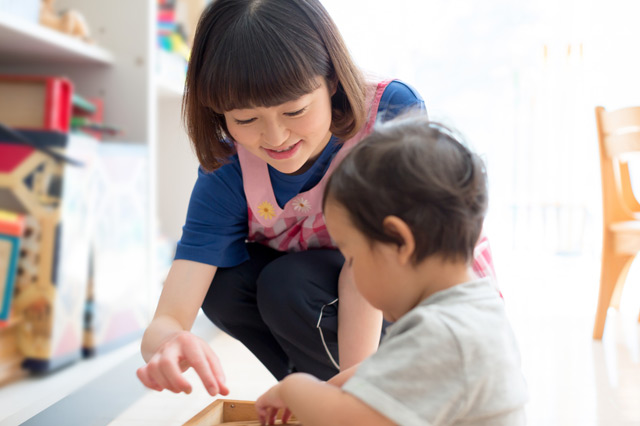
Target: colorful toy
(35,102)
(39,180)
(174,49)
(87,117)
(52,274)
(11,229)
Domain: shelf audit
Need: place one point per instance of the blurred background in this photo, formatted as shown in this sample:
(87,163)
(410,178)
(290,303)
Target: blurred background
(519,79)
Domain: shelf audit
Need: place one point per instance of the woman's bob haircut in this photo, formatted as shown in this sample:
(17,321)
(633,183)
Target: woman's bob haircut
(262,53)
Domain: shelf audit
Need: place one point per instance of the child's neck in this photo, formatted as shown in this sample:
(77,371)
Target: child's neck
(435,274)
(417,282)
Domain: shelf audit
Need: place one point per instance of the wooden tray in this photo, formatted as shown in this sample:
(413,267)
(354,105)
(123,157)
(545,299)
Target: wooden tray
(230,412)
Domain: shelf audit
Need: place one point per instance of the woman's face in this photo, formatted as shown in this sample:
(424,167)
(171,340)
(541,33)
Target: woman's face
(286,136)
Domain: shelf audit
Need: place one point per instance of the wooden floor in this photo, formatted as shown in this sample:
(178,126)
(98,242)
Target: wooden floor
(572,379)
(247,379)
(105,390)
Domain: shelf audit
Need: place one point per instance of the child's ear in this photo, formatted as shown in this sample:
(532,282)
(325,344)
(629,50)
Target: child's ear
(397,227)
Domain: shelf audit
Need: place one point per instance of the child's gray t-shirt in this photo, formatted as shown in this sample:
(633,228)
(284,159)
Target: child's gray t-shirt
(452,360)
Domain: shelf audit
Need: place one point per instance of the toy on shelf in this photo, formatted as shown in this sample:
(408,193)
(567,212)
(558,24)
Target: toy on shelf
(173,48)
(69,22)
(231,412)
(53,266)
(172,35)
(44,175)
(11,229)
(87,115)
(30,102)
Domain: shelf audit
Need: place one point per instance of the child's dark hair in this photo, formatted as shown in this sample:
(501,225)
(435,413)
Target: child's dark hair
(262,53)
(420,172)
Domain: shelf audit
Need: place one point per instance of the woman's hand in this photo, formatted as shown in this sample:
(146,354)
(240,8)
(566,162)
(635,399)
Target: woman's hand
(176,355)
(269,404)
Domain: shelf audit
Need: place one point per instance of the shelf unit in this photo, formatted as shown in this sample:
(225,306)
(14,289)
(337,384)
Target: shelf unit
(119,68)
(30,43)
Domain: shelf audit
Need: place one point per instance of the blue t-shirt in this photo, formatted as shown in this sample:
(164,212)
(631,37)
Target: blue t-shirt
(217,219)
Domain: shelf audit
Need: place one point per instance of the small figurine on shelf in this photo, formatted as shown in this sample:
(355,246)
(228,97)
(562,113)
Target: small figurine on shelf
(70,22)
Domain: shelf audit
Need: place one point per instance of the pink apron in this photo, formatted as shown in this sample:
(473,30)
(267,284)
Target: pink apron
(300,224)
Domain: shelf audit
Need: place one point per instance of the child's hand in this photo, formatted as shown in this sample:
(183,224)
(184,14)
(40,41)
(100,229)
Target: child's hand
(269,404)
(175,356)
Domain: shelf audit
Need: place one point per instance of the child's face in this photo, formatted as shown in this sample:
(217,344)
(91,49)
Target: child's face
(288,135)
(375,268)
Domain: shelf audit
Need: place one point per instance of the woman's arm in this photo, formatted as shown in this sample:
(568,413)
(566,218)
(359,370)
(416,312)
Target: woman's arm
(316,403)
(168,347)
(359,323)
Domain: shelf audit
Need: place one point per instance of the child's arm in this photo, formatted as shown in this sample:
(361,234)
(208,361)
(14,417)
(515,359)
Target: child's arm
(359,323)
(168,347)
(316,403)
(342,377)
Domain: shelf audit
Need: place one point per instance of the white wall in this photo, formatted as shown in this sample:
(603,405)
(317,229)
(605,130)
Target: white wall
(521,80)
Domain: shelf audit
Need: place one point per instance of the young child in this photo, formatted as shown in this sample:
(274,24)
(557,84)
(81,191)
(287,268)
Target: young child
(406,207)
(273,101)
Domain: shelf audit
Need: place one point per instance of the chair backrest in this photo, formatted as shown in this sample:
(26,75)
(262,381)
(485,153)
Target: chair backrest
(618,136)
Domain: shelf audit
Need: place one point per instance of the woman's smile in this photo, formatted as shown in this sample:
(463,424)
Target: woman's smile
(283,154)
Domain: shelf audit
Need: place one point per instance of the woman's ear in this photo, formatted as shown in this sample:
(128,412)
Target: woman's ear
(332,85)
(397,227)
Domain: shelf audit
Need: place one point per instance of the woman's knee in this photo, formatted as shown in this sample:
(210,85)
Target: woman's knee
(231,299)
(225,300)
(276,294)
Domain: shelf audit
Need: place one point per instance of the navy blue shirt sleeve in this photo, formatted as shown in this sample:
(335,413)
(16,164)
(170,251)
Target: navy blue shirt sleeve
(398,97)
(217,219)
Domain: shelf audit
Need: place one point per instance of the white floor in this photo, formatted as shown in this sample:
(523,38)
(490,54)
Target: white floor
(551,302)
(572,379)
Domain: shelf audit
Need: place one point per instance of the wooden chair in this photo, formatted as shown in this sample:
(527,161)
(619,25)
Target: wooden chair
(618,136)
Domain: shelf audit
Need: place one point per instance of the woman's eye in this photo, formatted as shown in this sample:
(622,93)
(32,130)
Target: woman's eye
(241,122)
(294,113)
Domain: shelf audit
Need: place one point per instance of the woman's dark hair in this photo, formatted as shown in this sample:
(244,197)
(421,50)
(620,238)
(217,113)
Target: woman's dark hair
(262,53)
(420,172)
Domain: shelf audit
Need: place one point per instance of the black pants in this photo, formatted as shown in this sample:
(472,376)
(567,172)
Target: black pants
(282,307)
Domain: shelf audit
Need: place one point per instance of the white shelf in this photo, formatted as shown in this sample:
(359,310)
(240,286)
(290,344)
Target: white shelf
(168,89)
(29,43)
(170,74)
